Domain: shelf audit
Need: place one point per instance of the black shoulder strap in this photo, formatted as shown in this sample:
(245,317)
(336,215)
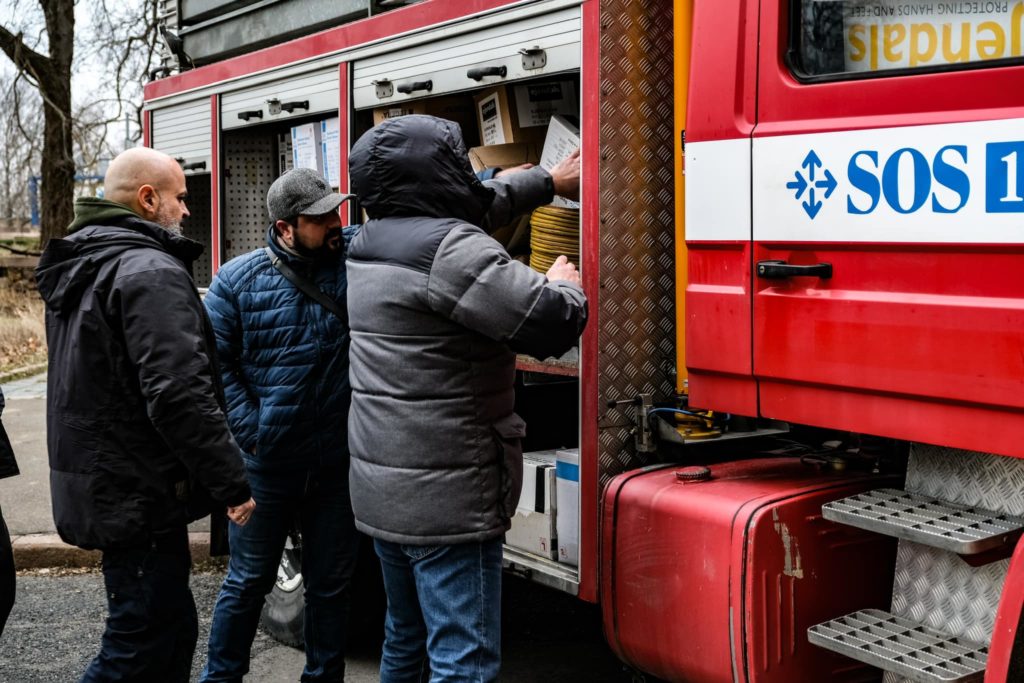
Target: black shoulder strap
(307,287)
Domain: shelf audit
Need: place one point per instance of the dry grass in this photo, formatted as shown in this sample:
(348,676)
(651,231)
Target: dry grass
(22,331)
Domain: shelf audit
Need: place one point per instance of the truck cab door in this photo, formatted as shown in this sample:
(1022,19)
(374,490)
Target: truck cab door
(888,219)
(720,114)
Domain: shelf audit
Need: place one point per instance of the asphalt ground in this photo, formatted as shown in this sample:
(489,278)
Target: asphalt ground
(54,632)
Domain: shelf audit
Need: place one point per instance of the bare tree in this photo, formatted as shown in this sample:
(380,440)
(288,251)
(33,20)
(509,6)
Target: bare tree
(124,36)
(51,75)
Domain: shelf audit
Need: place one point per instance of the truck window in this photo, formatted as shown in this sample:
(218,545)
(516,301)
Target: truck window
(832,39)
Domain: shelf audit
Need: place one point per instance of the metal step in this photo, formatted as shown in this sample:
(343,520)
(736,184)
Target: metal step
(903,647)
(959,529)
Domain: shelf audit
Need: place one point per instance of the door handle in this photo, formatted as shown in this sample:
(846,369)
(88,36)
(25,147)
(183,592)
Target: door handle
(776,270)
(478,73)
(409,88)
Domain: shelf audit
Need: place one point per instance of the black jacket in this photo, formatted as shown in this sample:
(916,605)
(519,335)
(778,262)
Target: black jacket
(8,465)
(137,437)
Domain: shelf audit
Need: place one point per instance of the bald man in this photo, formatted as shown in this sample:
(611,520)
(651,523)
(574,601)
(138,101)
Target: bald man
(138,441)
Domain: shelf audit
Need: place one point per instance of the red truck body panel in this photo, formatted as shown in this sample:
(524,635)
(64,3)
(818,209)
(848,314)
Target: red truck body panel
(718,581)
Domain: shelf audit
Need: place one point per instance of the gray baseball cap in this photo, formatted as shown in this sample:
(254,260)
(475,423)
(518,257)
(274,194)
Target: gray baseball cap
(302,191)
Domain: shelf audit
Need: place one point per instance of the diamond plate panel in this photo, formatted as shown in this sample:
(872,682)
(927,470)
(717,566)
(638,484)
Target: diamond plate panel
(936,587)
(197,225)
(967,477)
(637,298)
(250,166)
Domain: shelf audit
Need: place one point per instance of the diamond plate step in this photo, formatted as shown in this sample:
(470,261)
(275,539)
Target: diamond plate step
(903,647)
(959,529)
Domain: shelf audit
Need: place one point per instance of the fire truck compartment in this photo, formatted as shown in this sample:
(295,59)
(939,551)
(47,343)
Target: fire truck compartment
(715,573)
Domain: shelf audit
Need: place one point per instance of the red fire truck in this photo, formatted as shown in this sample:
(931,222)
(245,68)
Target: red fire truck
(799,401)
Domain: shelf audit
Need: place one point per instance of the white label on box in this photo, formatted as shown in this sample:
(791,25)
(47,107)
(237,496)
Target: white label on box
(536,103)
(492,127)
(305,149)
(330,150)
(562,140)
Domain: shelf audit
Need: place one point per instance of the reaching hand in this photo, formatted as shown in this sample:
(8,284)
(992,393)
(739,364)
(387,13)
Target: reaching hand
(240,514)
(563,269)
(566,176)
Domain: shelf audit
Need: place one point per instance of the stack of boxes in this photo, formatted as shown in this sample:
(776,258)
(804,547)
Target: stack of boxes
(520,116)
(512,120)
(547,517)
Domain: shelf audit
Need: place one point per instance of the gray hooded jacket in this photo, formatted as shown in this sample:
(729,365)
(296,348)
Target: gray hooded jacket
(438,311)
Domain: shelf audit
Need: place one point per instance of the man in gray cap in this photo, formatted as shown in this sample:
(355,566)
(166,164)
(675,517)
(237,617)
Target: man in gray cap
(282,343)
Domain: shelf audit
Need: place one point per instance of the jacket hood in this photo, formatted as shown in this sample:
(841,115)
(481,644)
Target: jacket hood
(417,166)
(69,266)
(97,211)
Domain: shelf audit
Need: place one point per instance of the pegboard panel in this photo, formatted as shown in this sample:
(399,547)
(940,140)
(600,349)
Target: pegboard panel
(250,166)
(197,225)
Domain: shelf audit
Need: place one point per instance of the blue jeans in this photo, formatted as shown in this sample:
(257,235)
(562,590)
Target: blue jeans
(444,606)
(319,496)
(152,627)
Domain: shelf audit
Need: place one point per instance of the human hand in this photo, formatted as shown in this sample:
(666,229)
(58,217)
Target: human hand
(240,514)
(563,269)
(513,169)
(566,176)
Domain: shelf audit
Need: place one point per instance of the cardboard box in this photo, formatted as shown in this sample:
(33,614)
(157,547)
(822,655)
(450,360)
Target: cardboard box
(562,139)
(457,108)
(494,118)
(520,113)
(534,525)
(382,114)
(503,156)
(498,120)
(567,492)
(536,103)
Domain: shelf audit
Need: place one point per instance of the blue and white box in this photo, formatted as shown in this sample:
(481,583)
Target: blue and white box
(567,491)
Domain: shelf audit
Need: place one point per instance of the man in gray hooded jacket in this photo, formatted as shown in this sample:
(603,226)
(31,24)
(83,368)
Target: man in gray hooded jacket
(438,311)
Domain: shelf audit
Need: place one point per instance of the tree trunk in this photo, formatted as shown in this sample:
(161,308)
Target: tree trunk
(57,193)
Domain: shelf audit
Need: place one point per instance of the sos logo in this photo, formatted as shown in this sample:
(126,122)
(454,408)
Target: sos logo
(939,183)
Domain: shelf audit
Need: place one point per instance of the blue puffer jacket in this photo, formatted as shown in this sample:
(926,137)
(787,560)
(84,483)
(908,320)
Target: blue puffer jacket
(284,358)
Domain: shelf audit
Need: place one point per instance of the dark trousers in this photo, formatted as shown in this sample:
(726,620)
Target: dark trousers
(152,626)
(319,495)
(6,574)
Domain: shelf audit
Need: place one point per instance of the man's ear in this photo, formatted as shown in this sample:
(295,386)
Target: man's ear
(148,200)
(284,230)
